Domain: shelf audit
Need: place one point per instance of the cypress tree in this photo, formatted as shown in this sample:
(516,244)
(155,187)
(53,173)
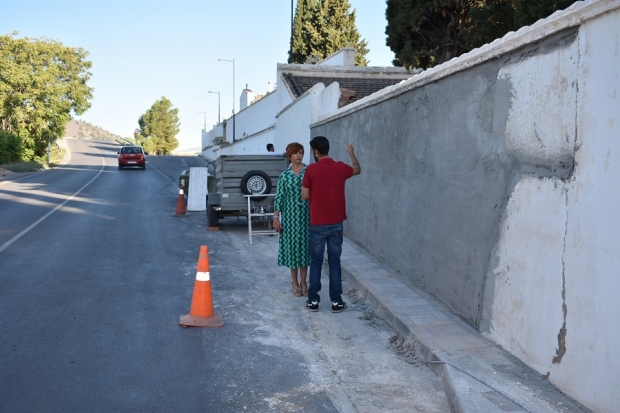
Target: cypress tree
(322,27)
(423,33)
(300,44)
(339,30)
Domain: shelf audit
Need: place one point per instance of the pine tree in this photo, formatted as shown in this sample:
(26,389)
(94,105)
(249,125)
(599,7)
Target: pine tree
(159,127)
(322,27)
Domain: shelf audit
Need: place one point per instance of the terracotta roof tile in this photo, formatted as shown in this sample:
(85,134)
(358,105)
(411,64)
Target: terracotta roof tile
(362,86)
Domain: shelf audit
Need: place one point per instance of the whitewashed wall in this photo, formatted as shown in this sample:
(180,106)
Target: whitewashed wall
(559,268)
(253,130)
(343,57)
(292,124)
(207,142)
(256,144)
(254,118)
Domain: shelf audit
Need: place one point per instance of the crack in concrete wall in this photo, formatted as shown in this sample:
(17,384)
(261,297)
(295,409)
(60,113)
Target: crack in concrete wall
(561,350)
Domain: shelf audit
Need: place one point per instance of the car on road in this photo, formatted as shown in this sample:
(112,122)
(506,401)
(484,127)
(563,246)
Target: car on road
(131,156)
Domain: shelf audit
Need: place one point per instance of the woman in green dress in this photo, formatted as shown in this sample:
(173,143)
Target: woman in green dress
(291,219)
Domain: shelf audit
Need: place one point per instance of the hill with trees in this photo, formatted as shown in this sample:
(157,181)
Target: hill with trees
(84,130)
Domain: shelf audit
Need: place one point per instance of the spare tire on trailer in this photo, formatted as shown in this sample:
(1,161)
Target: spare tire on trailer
(256,183)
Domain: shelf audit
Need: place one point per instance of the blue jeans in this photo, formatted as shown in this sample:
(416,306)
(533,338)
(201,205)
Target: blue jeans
(319,236)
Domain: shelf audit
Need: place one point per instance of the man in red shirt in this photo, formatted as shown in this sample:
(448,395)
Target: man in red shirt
(323,185)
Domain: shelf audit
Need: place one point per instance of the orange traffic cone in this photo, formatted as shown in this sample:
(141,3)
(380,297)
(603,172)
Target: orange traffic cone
(201,311)
(180,203)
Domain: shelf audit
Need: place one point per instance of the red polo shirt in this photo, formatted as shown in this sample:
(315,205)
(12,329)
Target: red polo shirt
(325,180)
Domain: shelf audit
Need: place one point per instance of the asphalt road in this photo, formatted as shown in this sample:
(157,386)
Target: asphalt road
(95,270)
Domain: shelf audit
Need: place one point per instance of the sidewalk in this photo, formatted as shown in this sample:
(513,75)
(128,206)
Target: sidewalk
(477,375)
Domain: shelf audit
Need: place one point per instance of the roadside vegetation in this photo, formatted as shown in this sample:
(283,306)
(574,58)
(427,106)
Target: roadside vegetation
(38,163)
(42,85)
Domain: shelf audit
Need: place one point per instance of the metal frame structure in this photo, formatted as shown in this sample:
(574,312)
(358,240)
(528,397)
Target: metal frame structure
(259,214)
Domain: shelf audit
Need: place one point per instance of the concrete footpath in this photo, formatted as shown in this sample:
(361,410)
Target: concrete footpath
(477,375)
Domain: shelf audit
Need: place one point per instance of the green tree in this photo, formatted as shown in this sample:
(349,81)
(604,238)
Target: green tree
(487,20)
(323,27)
(528,12)
(42,84)
(300,42)
(424,33)
(159,127)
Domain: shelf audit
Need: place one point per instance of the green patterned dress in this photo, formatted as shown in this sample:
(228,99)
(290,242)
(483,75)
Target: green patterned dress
(295,219)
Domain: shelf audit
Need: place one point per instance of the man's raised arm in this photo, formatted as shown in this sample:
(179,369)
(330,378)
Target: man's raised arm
(357,169)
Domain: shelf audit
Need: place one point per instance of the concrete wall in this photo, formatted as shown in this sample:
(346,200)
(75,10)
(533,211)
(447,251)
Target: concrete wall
(292,122)
(254,118)
(247,96)
(490,181)
(252,145)
(255,121)
(343,57)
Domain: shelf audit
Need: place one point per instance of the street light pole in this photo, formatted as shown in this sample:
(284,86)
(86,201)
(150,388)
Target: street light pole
(218,106)
(234,98)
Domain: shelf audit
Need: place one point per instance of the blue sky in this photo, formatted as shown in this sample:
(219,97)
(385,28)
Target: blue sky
(143,50)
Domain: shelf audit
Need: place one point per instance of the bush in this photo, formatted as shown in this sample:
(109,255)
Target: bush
(10,147)
(31,166)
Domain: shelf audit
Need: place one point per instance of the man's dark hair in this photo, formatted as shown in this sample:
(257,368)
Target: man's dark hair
(321,144)
(270,147)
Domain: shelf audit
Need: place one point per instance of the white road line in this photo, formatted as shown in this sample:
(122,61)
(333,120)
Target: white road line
(163,174)
(24,232)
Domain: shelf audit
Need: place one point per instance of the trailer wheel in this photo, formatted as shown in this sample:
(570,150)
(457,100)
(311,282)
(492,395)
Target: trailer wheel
(212,217)
(256,183)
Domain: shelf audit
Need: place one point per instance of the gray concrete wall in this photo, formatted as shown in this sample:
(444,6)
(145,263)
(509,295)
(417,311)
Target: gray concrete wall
(437,176)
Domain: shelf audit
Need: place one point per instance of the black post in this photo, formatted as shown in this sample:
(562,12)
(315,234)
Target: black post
(291,22)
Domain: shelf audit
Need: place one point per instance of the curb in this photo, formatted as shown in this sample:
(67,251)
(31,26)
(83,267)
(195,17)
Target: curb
(477,375)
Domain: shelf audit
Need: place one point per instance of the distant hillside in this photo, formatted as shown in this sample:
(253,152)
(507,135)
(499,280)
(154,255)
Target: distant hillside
(83,130)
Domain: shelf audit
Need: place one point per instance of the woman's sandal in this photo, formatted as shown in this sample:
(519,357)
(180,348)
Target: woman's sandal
(304,290)
(296,291)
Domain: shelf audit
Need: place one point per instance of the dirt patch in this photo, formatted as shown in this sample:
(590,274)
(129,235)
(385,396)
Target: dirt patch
(6,172)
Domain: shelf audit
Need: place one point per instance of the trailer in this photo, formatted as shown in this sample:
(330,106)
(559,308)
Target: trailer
(239,175)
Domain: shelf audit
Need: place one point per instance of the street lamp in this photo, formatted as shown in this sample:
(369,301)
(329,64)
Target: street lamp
(233,112)
(218,106)
(204,113)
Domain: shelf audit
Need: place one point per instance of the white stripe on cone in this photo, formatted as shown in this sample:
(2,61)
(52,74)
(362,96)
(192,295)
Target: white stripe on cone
(202,276)
(180,192)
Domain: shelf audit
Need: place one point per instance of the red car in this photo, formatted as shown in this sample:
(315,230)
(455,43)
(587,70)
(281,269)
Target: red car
(131,156)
